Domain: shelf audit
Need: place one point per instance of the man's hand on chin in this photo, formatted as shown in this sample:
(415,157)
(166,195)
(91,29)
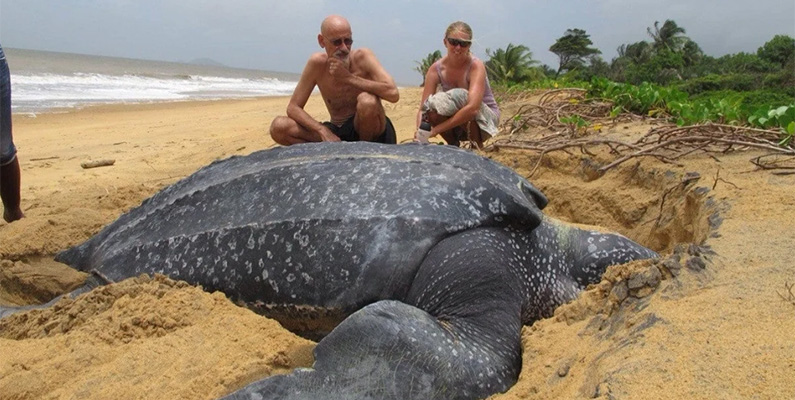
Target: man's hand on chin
(338,68)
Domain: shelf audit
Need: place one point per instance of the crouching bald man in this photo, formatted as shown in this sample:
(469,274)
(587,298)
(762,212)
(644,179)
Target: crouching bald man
(352,84)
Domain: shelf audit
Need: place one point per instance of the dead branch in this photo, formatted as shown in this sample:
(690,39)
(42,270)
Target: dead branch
(568,92)
(788,296)
(718,178)
(692,139)
(774,161)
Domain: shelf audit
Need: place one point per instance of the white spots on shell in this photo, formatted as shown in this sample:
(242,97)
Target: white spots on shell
(303,240)
(496,206)
(324,198)
(468,200)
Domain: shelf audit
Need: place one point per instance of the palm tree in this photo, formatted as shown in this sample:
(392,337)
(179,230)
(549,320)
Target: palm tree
(638,52)
(691,53)
(423,66)
(510,65)
(670,36)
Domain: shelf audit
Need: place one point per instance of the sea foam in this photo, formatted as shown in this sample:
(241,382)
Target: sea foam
(46,92)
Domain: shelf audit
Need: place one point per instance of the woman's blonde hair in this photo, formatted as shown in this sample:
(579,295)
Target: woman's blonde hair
(459,26)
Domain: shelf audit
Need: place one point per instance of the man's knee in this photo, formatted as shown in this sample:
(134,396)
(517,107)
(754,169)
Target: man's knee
(367,103)
(280,128)
(279,124)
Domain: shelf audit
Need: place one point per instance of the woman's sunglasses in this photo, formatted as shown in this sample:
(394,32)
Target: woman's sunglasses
(459,42)
(338,42)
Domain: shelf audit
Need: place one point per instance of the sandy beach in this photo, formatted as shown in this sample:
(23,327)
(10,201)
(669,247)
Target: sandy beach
(714,320)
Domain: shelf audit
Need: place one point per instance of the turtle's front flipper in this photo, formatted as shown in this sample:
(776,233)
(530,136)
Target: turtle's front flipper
(390,350)
(461,341)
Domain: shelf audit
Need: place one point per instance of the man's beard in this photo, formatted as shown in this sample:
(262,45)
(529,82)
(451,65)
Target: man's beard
(343,56)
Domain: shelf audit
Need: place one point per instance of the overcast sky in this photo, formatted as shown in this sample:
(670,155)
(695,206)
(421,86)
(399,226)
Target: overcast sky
(279,35)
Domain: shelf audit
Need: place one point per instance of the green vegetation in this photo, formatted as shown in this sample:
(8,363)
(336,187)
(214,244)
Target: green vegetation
(575,123)
(736,109)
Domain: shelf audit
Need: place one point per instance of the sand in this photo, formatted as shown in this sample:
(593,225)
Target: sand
(714,320)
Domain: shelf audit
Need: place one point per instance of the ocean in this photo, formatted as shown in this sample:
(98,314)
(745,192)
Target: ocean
(43,81)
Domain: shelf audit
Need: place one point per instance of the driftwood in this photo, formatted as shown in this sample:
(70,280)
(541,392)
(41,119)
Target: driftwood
(666,142)
(44,158)
(96,163)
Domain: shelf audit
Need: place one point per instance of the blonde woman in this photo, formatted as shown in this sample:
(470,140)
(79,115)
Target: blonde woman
(464,108)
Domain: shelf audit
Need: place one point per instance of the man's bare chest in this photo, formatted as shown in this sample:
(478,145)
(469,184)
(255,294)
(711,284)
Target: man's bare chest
(338,95)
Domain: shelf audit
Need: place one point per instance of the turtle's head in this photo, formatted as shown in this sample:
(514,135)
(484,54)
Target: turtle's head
(594,251)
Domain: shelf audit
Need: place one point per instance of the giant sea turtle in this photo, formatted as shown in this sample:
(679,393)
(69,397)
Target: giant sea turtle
(417,265)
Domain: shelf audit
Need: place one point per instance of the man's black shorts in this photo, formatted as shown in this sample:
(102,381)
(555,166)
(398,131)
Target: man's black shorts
(347,133)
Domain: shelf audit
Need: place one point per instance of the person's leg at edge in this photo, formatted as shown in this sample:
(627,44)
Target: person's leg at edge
(9,191)
(370,119)
(9,163)
(285,131)
(475,136)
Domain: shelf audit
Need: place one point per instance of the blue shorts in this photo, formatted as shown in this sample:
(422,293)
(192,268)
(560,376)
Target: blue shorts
(8,151)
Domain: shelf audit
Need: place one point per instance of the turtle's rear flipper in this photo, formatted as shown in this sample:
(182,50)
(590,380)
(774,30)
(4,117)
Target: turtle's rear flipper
(92,282)
(390,350)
